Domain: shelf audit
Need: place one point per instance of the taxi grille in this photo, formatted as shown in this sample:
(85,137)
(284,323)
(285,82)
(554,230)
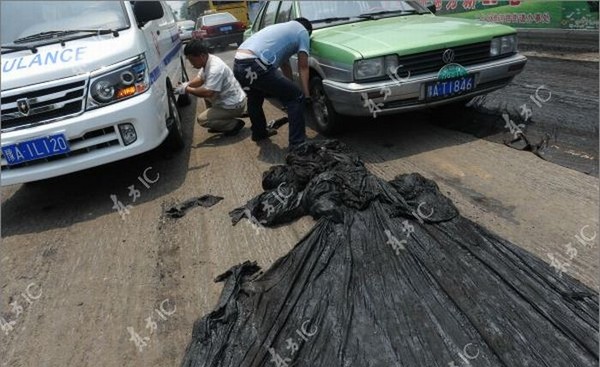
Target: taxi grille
(432,61)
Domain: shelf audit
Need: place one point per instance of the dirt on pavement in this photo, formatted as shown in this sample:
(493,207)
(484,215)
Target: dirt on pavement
(80,281)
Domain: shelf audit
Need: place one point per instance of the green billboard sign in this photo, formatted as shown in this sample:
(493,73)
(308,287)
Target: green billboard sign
(524,13)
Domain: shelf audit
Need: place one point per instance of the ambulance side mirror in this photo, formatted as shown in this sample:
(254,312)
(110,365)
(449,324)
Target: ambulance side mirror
(146,11)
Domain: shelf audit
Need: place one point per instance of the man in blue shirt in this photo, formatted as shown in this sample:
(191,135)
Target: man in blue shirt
(255,67)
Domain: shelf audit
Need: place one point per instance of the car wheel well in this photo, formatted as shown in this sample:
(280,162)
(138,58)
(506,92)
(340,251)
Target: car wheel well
(326,119)
(313,73)
(174,141)
(183,100)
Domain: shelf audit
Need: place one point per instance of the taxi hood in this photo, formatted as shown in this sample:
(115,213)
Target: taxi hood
(405,35)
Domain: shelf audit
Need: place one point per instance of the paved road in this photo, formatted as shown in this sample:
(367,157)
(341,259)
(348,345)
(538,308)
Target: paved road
(94,277)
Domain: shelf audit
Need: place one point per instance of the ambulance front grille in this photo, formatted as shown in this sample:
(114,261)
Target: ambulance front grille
(31,106)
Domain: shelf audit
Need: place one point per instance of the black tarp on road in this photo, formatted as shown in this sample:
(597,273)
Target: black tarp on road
(390,275)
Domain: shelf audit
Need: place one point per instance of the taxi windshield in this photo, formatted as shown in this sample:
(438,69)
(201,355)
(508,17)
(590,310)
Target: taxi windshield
(320,12)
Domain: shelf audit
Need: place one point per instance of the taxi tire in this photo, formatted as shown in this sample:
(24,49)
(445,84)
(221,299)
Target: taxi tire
(326,120)
(174,141)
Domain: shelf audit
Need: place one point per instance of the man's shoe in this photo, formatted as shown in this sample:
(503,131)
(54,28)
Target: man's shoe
(268,133)
(214,131)
(233,132)
(277,123)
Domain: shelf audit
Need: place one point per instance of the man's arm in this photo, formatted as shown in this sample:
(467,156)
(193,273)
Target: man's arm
(196,82)
(304,72)
(200,91)
(286,69)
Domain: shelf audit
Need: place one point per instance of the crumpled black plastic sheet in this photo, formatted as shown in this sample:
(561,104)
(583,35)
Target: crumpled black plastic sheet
(390,275)
(179,210)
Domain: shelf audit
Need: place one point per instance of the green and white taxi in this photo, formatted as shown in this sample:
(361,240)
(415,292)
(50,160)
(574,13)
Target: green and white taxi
(385,57)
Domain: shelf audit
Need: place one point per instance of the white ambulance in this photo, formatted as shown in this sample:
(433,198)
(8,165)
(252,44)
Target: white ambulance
(86,83)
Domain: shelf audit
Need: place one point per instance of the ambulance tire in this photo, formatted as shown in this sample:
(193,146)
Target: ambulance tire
(184,99)
(174,141)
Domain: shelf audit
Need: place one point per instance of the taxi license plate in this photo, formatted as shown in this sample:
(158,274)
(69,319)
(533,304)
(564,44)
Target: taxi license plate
(450,87)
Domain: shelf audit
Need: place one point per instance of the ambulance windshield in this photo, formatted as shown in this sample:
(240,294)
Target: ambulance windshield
(29,22)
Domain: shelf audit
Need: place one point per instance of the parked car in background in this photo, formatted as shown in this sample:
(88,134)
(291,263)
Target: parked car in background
(219,29)
(371,58)
(238,9)
(186,27)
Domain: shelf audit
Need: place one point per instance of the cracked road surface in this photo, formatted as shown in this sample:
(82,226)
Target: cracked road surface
(101,279)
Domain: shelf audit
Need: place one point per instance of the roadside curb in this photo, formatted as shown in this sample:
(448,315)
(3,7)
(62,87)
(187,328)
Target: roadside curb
(558,40)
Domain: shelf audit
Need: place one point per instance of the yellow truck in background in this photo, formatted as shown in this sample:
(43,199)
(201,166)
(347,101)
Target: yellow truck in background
(238,9)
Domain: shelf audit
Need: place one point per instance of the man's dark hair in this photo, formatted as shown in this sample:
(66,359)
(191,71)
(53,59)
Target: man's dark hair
(306,23)
(195,48)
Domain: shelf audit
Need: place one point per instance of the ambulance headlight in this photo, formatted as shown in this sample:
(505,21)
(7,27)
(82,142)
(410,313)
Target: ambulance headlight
(118,82)
(103,90)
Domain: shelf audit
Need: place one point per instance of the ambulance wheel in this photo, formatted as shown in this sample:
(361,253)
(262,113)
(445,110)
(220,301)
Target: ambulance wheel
(184,99)
(174,141)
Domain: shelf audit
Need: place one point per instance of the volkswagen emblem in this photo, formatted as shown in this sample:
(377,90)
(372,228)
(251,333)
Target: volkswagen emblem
(23,106)
(448,56)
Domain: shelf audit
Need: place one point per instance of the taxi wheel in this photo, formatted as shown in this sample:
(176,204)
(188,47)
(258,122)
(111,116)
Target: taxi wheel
(174,141)
(326,120)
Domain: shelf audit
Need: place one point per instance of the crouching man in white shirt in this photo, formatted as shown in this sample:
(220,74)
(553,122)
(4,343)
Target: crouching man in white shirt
(216,83)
